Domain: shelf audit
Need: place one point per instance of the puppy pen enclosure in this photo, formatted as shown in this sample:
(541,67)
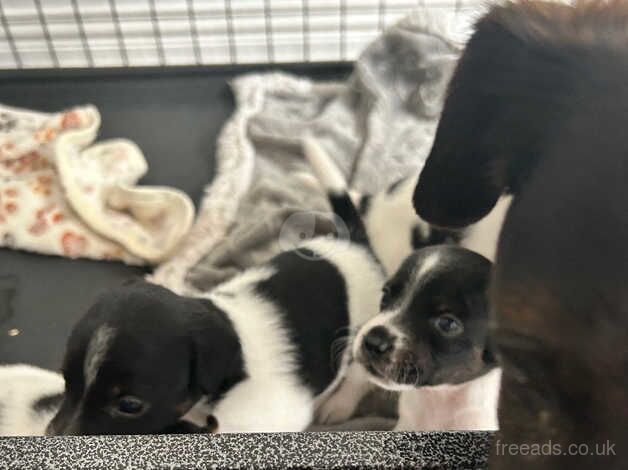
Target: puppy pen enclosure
(157,71)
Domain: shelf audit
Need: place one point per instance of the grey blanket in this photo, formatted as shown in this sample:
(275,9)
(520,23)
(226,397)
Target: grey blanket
(378,125)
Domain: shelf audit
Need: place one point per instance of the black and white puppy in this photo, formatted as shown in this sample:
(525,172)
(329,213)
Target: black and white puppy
(394,230)
(256,351)
(430,342)
(29,398)
(448,378)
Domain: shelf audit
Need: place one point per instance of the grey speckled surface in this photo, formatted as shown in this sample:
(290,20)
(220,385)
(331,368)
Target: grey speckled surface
(456,450)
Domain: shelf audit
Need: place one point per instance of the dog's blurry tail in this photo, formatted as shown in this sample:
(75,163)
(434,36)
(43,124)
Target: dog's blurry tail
(335,185)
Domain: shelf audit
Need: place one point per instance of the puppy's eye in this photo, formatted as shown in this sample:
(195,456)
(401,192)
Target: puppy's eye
(129,407)
(448,325)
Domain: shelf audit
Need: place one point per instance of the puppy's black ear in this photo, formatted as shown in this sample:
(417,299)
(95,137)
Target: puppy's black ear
(500,105)
(217,361)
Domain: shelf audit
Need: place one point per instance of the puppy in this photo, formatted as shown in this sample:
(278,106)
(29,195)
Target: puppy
(430,342)
(29,398)
(393,228)
(391,224)
(454,375)
(257,351)
(537,108)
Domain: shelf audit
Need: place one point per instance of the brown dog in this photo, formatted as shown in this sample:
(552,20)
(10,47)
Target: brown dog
(538,108)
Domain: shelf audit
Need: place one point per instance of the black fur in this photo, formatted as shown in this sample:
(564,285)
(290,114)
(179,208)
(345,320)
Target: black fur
(166,349)
(457,285)
(344,208)
(538,107)
(365,204)
(303,288)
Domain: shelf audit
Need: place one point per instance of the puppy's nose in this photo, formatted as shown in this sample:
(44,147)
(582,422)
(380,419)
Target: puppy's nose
(378,341)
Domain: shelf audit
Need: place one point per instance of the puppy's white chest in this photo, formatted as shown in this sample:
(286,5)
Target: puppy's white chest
(466,407)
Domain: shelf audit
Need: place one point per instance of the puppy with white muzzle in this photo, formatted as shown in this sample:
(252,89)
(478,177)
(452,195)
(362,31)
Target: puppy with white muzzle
(430,339)
(430,342)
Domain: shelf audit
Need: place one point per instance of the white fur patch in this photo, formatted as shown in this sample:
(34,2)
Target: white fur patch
(96,352)
(271,398)
(21,387)
(390,221)
(469,406)
(363,277)
(425,267)
(340,400)
(329,175)
(482,236)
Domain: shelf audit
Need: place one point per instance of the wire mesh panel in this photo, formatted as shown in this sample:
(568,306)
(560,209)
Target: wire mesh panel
(105,33)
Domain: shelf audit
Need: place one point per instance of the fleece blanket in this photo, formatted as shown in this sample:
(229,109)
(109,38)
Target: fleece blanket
(61,195)
(378,125)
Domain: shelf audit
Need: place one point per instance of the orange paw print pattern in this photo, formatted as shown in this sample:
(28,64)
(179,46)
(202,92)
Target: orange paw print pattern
(71,120)
(10,207)
(42,185)
(35,213)
(30,162)
(41,225)
(8,204)
(57,217)
(38,228)
(73,244)
(47,134)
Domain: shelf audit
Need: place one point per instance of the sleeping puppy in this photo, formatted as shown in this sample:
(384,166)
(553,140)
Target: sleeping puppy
(29,398)
(256,351)
(538,108)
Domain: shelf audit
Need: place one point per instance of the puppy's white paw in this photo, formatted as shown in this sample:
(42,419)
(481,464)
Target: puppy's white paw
(337,409)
